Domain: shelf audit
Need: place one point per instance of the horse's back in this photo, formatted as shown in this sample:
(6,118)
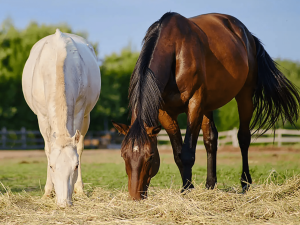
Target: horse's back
(227,40)
(40,70)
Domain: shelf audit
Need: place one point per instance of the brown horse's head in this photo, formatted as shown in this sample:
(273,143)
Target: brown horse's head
(139,151)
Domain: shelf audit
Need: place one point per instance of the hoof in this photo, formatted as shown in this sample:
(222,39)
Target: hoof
(210,183)
(245,186)
(246,181)
(78,189)
(187,188)
(46,196)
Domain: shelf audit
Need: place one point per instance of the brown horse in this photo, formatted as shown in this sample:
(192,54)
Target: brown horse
(195,66)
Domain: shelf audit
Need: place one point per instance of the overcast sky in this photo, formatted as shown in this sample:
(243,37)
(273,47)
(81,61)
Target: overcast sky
(113,24)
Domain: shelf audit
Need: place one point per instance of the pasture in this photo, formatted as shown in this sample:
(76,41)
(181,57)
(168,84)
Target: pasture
(274,197)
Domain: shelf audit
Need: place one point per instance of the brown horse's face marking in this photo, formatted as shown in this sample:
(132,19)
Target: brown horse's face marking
(142,163)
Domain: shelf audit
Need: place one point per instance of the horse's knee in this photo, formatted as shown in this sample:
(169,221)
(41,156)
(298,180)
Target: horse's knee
(187,159)
(177,159)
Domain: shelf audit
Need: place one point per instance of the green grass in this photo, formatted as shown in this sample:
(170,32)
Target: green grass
(31,175)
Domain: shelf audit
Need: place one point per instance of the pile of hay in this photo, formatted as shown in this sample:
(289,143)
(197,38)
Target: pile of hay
(265,203)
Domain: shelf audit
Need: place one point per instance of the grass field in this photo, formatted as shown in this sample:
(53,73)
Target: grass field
(104,173)
(106,169)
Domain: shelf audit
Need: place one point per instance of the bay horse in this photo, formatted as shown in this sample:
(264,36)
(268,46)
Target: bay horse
(61,84)
(195,66)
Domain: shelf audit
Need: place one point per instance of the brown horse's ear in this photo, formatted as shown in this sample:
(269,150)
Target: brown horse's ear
(153,131)
(122,128)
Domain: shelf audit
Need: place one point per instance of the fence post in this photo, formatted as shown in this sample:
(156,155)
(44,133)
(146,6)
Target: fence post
(23,137)
(4,132)
(279,137)
(235,142)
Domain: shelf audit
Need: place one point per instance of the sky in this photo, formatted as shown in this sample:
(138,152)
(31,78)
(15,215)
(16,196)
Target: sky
(115,24)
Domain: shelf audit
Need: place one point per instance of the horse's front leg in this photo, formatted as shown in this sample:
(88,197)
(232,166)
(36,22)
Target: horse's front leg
(49,184)
(210,138)
(171,126)
(194,121)
(45,131)
(78,188)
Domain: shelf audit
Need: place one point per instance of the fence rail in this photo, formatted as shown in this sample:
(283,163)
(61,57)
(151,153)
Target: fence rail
(230,137)
(24,139)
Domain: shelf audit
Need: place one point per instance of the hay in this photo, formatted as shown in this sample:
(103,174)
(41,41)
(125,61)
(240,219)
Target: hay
(267,203)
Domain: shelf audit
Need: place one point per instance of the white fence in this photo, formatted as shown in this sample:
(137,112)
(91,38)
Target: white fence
(230,137)
(24,139)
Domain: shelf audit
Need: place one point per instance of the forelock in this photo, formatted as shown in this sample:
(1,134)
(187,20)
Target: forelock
(136,138)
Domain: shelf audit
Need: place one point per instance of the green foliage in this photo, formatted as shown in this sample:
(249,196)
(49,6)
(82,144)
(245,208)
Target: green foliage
(31,175)
(227,117)
(116,70)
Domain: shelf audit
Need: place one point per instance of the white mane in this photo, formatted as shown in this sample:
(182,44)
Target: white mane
(64,112)
(61,111)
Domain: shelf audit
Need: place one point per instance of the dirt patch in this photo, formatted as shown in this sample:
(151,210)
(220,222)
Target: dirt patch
(12,154)
(226,155)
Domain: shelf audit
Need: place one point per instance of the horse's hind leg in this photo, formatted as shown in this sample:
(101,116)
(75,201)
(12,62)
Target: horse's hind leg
(245,107)
(210,137)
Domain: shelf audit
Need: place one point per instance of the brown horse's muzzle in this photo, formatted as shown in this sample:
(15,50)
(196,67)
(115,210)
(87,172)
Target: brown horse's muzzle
(137,188)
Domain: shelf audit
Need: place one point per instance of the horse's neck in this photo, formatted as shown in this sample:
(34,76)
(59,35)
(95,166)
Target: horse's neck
(162,62)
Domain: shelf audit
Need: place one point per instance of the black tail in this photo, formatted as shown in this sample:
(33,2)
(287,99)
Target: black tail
(275,96)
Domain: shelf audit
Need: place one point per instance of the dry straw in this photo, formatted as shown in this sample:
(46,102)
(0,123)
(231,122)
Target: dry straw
(267,203)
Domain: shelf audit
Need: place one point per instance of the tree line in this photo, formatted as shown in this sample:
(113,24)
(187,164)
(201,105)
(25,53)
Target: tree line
(116,69)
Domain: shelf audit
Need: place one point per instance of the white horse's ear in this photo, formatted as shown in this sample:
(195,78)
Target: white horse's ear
(76,137)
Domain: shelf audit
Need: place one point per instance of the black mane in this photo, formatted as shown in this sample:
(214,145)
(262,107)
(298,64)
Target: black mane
(144,94)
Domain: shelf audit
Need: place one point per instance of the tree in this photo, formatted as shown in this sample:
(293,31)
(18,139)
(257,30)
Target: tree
(115,77)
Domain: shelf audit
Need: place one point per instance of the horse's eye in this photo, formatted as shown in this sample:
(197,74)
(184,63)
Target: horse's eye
(50,167)
(76,167)
(150,158)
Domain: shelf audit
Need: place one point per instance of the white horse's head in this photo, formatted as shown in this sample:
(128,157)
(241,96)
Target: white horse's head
(64,162)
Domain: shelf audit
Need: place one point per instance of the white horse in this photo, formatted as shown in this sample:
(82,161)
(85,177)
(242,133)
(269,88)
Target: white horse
(61,84)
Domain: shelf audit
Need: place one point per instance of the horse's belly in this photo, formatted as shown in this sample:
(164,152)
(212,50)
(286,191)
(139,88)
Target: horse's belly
(216,99)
